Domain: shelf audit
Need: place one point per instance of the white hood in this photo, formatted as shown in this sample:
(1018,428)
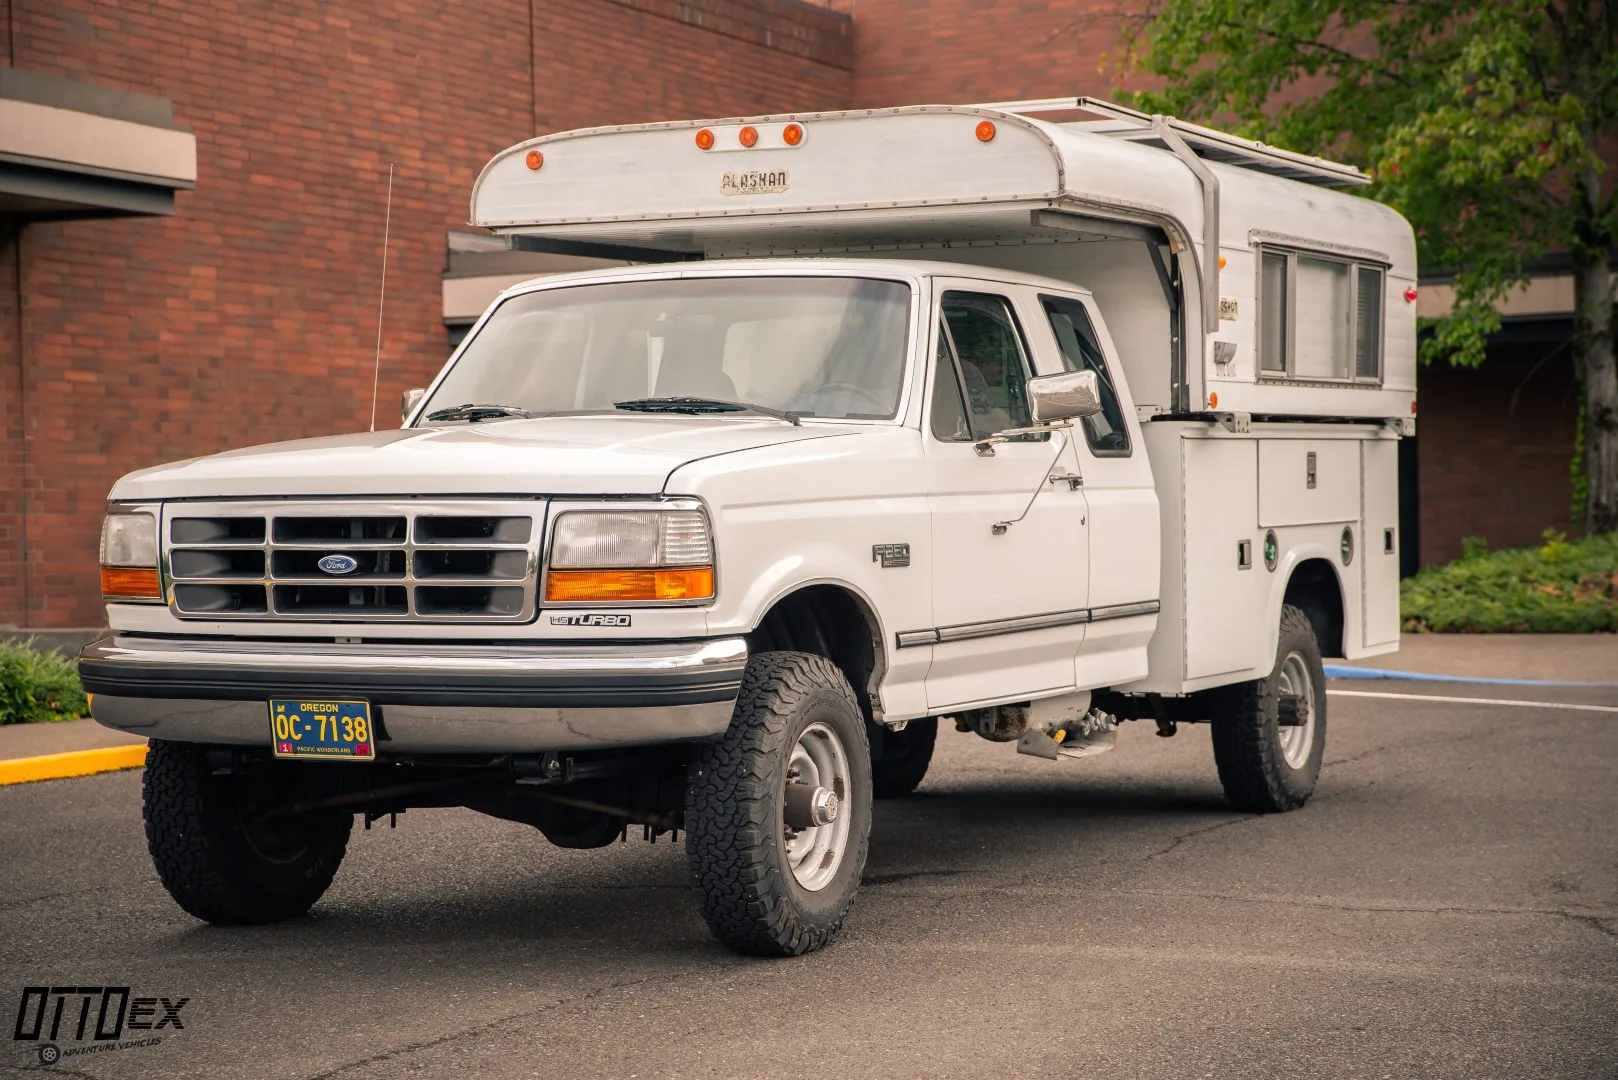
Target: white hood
(565,455)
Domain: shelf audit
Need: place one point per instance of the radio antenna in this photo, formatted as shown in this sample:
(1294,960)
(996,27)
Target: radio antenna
(382,296)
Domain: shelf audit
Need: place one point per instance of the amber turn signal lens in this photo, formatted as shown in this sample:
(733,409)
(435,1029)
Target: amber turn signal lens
(985,130)
(139,584)
(747,136)
(535,159)
(589,586)
(704,139)
(792,134)
(1213,400)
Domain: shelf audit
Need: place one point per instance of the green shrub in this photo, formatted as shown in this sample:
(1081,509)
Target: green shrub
(37,685)
(1563,586)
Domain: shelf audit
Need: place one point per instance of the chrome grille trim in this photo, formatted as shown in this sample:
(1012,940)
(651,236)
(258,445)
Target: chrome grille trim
(388,565)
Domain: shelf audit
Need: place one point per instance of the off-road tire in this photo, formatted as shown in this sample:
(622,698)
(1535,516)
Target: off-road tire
(904,759)
(1246,737)
(208,857)
(733,812)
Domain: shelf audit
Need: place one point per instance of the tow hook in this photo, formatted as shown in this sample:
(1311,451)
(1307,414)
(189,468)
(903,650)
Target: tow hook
(807,807)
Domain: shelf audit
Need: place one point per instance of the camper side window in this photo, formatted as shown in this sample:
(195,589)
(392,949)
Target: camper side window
(1319,317)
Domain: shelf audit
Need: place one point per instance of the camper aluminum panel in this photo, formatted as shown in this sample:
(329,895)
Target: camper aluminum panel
(919,178)
(928,156)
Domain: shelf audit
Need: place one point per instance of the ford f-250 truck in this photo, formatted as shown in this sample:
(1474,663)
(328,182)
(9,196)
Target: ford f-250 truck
(944,412)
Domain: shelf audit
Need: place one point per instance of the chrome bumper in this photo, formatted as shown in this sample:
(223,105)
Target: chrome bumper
(427,699)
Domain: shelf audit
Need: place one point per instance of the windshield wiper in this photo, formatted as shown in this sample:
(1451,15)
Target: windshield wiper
(474,413)
(701,405)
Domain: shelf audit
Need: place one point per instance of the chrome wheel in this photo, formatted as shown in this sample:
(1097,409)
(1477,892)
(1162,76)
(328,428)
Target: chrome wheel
(814,825)
(1297,701)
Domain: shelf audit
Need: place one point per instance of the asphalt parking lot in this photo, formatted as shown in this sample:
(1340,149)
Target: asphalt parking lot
(1446,906)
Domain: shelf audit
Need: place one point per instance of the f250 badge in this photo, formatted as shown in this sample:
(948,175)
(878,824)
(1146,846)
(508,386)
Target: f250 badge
(590,620)
(891,555)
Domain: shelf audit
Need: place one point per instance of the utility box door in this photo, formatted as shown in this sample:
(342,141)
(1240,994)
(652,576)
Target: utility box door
(1380,544)
(1222,584)
(1308,481)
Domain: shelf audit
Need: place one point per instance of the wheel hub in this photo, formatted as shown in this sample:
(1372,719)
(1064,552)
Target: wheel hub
(814,831)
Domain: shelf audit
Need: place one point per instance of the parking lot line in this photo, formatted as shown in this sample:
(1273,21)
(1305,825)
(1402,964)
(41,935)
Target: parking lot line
(72,763)
(1478,701)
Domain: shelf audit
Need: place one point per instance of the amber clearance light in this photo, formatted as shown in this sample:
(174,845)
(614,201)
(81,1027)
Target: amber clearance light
(535,159)
(125,583)
(747,136)
(985,130)
(587,586)
(704,139)
(792,134)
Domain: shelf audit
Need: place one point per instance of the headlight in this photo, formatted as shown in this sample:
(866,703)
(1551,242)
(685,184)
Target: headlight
(630,555)
(129,557)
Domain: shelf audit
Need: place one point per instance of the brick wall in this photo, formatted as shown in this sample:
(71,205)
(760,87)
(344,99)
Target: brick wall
(909,52)
(1493,447)
(250,316)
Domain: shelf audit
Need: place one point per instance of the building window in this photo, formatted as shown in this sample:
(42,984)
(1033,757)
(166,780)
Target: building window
(1319,317)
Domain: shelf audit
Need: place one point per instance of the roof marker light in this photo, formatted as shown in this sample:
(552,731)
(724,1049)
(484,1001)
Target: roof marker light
(747,136)
(535,159)
(985,130)
(792,134)
(704,139)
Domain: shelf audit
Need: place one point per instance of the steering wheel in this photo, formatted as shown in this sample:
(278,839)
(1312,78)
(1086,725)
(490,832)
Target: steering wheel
(856,390)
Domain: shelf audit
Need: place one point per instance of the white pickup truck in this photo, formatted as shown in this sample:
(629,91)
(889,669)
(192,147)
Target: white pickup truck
(890,416)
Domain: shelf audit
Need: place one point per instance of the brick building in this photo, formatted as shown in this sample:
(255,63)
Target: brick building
(155,305)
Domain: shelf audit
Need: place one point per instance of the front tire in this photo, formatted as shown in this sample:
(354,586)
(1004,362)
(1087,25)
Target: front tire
(216,852)
(765,888)
(1265,765)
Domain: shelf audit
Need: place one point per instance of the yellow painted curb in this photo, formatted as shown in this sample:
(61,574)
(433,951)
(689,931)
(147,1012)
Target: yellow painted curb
(74,763)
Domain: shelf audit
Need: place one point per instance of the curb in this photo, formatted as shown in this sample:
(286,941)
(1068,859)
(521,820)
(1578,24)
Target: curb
(1343,671)
(72,763)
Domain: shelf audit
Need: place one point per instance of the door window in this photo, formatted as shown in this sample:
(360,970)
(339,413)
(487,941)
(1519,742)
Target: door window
(1105,431)
(981,366)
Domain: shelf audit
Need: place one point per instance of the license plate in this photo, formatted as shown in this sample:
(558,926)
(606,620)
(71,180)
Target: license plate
(328,730)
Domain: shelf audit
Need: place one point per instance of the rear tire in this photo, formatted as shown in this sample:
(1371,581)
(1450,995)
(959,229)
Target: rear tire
(216,854)
(765,889)
(905,757)
(1266,767)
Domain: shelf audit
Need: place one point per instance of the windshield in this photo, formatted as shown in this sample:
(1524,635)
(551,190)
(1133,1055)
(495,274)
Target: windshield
(813,346)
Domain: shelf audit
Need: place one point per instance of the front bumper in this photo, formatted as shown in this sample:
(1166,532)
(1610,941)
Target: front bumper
(428,698)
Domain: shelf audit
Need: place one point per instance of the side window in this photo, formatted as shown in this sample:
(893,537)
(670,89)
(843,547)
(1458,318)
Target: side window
(949,414)
(1106,431)
(993,368)
(1319,317)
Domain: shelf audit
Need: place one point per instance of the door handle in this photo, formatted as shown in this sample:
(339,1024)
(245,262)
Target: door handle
(1074,480)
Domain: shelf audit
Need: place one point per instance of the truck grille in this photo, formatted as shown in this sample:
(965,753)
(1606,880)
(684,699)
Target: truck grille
(368,562)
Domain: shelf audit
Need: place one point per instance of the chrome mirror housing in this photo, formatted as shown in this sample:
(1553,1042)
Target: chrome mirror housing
(409,401)
(1067,396)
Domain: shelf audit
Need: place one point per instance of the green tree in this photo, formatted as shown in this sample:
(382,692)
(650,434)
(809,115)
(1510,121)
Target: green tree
(1488,123)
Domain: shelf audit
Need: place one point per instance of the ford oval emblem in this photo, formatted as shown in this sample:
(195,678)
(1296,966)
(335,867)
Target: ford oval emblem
(338,564)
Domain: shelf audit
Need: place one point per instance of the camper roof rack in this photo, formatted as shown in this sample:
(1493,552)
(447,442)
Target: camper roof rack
(1134,126)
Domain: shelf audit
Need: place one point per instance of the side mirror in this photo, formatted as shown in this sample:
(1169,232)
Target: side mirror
(408,403)
(1064,397)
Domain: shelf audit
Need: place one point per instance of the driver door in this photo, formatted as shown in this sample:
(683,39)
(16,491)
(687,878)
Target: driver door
(1010,558)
